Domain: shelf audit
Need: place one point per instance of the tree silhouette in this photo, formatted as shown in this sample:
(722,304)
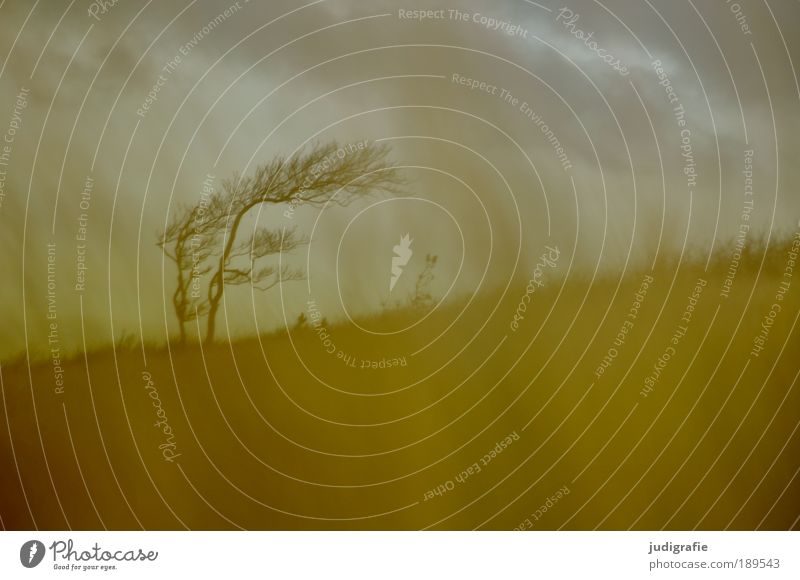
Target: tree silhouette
(322,174)
(190,240)
(422,297)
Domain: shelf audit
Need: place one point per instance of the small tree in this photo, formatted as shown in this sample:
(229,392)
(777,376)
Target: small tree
(422,297)
(325,173)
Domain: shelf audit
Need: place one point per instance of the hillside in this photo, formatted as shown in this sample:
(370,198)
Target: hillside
(651,400)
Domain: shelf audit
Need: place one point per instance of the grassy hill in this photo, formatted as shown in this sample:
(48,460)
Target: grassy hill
(458,422)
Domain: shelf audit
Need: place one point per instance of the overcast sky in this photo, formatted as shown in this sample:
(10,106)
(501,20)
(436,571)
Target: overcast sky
(490,188)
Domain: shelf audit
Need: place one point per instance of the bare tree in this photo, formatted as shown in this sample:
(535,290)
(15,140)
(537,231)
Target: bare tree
(243,266)
(422,297)
(190,240)
(322,174)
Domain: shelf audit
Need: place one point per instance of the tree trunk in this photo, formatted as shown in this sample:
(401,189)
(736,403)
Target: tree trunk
(217,285)
(212,322)
(215,290)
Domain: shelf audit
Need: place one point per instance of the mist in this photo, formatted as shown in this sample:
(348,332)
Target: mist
(463,105)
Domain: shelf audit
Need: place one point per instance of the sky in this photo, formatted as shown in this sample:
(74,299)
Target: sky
(474,100)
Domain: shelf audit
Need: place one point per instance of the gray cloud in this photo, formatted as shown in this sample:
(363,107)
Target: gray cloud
(208,110)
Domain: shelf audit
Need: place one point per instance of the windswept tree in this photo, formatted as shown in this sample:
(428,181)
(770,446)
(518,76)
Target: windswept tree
(244,265)
(209,243)
(422,298)
(322,174)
